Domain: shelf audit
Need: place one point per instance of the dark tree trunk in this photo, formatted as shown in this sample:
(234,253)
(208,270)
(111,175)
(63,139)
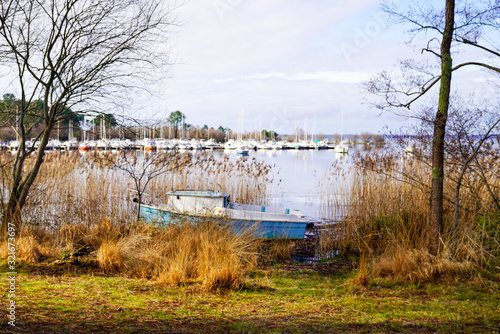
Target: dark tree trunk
(436,204)
(21,185)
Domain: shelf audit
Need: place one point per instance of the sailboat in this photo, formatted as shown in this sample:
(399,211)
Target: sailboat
(342,146)
(408,150)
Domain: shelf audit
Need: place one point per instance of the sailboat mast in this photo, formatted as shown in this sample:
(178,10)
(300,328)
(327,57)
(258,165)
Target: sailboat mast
(342,125)
(409,125)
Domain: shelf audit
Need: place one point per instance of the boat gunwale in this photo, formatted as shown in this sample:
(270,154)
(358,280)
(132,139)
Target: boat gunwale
(293,219)
(197,193)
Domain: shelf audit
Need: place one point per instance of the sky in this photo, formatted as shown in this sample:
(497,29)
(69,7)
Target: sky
(280,64)
(283,64)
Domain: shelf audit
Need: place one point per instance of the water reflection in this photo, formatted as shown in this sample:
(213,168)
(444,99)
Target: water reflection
(306,180)
(300,177)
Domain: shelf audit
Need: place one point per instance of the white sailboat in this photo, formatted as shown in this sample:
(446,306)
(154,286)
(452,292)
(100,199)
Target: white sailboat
(408,150)
(342,146)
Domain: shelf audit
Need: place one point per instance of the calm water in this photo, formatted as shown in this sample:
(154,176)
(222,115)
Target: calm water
(302,178)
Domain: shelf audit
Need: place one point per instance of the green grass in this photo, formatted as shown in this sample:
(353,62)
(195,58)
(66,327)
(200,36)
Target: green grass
(67,299)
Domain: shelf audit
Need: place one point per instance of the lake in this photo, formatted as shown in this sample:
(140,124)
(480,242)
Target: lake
(302,178)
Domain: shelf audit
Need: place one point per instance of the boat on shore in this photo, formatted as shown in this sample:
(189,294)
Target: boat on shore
(197,206)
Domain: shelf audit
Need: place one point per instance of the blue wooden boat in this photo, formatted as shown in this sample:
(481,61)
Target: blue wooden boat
(197,206)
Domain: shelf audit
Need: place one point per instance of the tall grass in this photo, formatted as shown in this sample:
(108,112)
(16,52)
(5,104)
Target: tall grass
(387,218)
(244,179)
(81,206)
(75,189)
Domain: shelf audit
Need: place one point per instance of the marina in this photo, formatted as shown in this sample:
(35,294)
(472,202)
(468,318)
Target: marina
(151,145)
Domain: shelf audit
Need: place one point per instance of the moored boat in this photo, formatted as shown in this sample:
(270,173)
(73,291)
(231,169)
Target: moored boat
(341,147)
(150,146)
(85,146)
(242,150)
(196,206)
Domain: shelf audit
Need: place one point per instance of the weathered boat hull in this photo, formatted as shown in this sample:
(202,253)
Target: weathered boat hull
(266,229)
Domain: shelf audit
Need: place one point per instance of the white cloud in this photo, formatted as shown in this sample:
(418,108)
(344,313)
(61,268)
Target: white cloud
(323,76)
(224,80)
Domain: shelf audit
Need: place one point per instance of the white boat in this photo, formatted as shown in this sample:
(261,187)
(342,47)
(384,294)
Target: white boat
(272,145)
(198,206)
(53,145)
(150,146)
(341,147)
(209,144)
(183,145)
(14,145)
(195,145)
(86,146)
(242,150)
(103,144)
(320,144)
(71,144)
(295,145)
(230,145)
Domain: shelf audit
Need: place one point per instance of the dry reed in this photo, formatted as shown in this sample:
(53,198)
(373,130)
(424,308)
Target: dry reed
(418,265)
(204,253)
(276,251)
(81,207)
(386,222)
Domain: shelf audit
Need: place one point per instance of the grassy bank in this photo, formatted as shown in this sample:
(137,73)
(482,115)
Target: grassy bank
(69,297)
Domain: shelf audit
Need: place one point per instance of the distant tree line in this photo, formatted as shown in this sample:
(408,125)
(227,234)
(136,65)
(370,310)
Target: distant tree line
(10,118)
(174,127)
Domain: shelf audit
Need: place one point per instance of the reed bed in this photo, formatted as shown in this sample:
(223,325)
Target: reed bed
(387,216)
(245,179)
(73,188)
(81,205)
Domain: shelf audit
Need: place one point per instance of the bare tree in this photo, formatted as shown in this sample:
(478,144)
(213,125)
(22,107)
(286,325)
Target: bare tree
(472,130)
(74,54)
(143,168)
(464,24)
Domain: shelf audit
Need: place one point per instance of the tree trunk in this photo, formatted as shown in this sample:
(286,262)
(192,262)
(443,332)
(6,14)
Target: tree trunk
(436,204)
(21,185)
(12,213)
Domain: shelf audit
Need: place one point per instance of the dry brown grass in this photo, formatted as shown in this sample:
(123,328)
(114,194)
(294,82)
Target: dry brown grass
(81,207)
(386,222)
(110,256)
(209,254)
(28,249)
(418,265)
(362,278)
(205,253)
(276,251)
(4,250)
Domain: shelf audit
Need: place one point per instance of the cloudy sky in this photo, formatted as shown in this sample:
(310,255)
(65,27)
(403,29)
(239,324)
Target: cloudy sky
(282,64)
